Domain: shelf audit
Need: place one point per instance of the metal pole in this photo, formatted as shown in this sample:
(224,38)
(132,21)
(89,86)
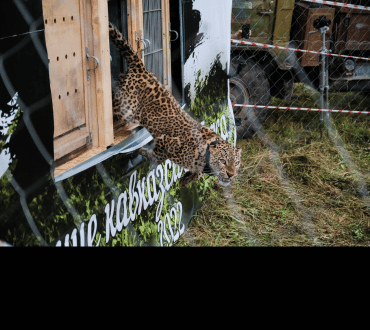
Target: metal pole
(325,70)
(322,80)
(324,77)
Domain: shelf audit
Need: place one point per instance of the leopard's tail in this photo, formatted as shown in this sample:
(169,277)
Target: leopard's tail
(122,45)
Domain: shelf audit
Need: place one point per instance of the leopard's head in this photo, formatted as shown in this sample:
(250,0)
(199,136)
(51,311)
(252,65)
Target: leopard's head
(222,160)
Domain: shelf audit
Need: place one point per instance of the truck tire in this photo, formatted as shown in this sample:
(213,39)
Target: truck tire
(249,86)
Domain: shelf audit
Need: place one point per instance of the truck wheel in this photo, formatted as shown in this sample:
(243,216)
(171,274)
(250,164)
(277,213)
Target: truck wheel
(249,86)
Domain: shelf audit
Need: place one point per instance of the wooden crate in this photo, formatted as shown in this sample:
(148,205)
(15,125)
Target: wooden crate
(82,102)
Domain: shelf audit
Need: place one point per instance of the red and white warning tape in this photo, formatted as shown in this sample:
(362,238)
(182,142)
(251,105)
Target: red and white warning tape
(293,49)
(294,108)
(340,4)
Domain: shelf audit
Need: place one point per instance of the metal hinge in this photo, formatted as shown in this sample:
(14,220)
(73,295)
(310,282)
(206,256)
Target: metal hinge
(89,140)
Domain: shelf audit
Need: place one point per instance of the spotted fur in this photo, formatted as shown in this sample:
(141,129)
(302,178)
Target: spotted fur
(140,99)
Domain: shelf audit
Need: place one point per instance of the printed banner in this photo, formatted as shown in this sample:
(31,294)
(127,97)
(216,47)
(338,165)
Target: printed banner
(122,200)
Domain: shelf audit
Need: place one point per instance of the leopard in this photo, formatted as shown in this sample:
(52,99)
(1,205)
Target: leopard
(140,99)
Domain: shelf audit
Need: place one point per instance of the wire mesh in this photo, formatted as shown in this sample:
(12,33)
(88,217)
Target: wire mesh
(277,79)
(57,213)
(34,161)
(306,55)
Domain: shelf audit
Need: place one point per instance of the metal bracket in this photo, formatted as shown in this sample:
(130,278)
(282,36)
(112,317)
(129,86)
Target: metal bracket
(97,63)
(174,31)
(265,12)
(177,35)
(144,41)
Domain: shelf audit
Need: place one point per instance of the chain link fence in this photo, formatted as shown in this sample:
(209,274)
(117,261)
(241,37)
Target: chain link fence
(299,86)
(282,45)
(300,81)
(27,164)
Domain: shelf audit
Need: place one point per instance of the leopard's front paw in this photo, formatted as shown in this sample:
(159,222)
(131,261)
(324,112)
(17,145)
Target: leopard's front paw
(150,155)
(144,152)
(188,178)
(183,182)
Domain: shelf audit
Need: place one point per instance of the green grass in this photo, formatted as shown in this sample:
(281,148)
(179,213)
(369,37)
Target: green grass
(316,202)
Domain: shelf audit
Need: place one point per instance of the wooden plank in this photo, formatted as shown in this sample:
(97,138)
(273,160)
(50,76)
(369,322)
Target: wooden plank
(86,155)
(90,97)
(135,24)
(103,92)
(84,66)
(138,12)
(78,160)
(70,142)
(167,81)
(121,135)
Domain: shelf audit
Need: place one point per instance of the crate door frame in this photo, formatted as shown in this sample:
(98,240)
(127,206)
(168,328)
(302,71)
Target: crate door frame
(137,39)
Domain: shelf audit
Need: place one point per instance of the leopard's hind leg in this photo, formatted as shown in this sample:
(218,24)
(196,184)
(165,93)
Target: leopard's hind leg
(125,102)
(165,148)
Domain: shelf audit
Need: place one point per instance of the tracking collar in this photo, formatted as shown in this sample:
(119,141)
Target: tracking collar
(207,168)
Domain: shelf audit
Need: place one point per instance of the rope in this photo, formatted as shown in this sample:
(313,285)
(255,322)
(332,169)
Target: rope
(293,49)
(22,34)
(340,4)
(294,108)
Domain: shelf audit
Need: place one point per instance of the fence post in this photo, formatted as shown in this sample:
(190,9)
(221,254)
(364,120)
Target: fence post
(322,25)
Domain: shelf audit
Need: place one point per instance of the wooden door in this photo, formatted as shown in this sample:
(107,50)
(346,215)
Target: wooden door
(81,103)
